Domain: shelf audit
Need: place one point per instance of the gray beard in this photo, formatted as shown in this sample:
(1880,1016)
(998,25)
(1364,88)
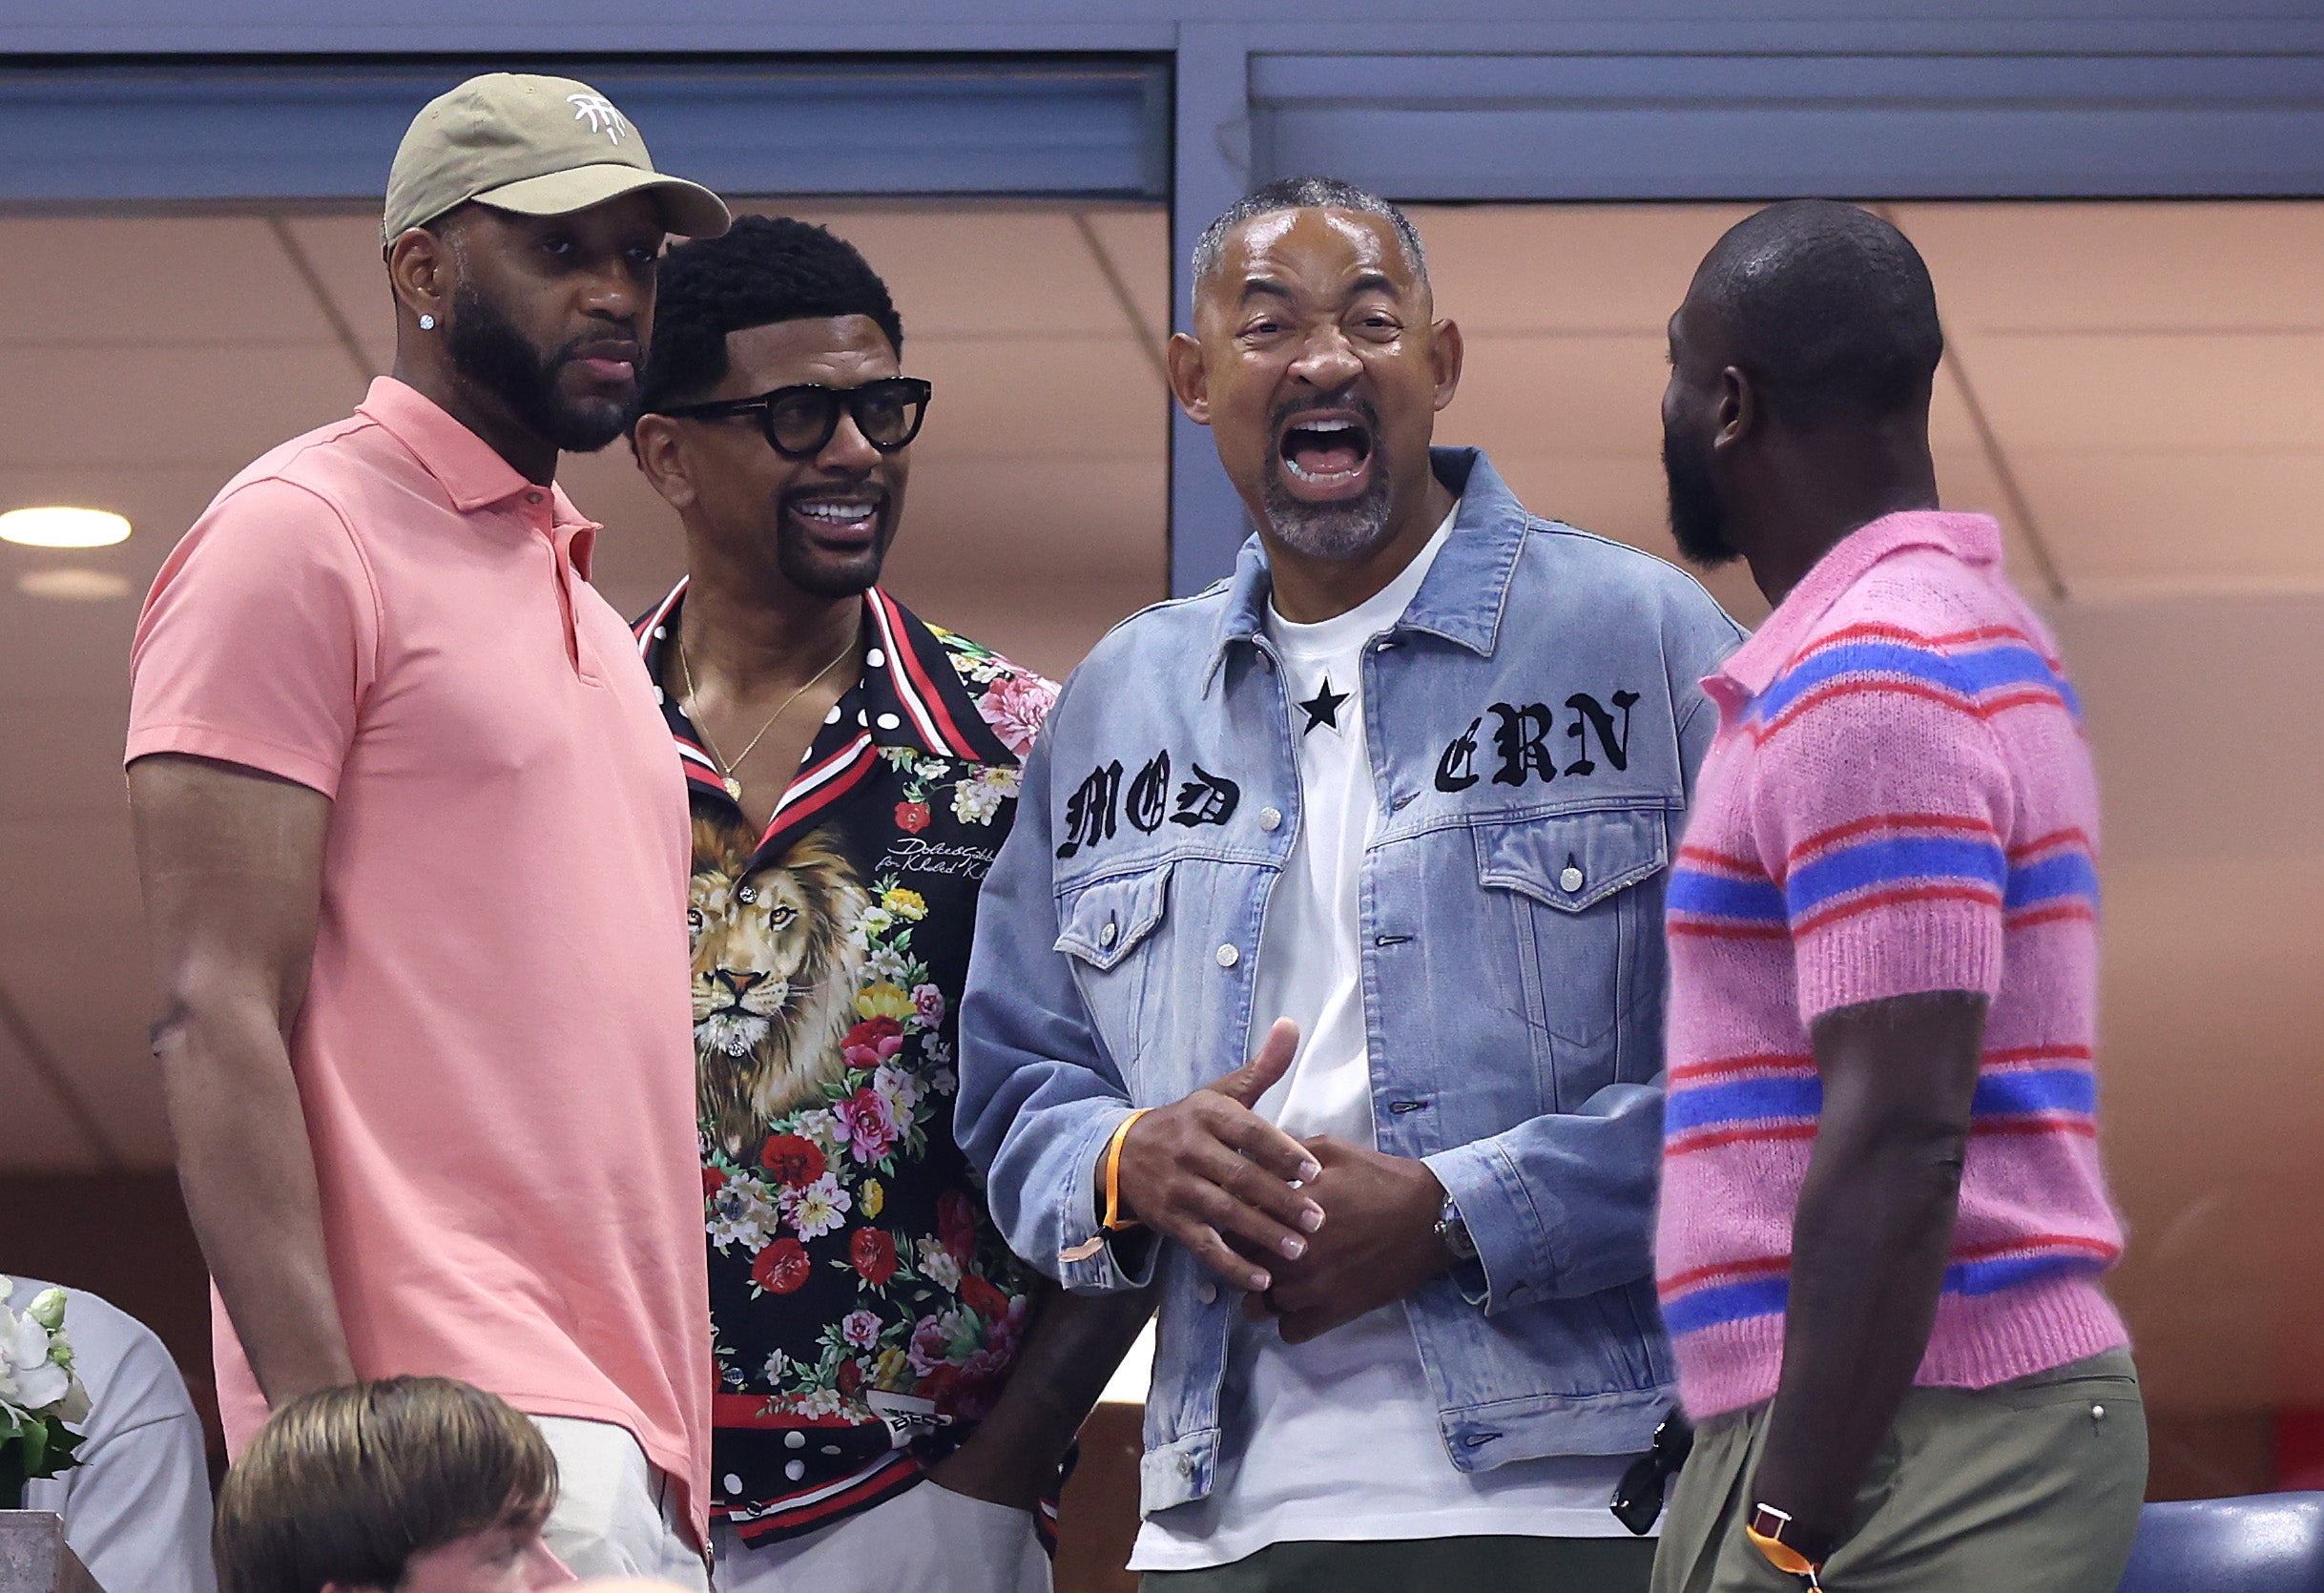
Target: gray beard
(1327,530)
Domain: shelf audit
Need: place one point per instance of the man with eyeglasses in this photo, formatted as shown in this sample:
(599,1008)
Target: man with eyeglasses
(895,1391)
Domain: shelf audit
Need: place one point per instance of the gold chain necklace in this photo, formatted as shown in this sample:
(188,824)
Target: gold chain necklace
(726,770)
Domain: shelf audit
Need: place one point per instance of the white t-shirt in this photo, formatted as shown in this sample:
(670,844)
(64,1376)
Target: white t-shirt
(136,1508)
(1337,1439)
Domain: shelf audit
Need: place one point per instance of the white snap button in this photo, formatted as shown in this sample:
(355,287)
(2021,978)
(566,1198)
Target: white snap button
(1228,957)
(1571,880)
(661,632)
(795,1439)
(658,696)
(532,497)
(1112,933)
(889,721)
(2098,1412)
(1207,1293)
(795,1470)
(1271,819)
(734,1483)
(875,658)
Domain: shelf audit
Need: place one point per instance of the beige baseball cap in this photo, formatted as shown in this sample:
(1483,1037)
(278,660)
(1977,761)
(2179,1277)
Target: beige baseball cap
(538,146)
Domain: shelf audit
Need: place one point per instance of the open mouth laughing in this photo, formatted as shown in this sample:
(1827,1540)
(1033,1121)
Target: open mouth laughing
(1326,453)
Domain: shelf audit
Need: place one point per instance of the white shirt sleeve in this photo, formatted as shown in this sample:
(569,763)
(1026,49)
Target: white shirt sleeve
(137,1505)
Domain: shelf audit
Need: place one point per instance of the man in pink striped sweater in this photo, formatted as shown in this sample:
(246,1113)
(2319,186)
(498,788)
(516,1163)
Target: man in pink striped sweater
(1884,1218)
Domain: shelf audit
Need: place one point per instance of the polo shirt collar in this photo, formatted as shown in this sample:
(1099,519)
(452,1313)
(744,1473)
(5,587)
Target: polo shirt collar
(472,475)
(1461,597)
(1974,539)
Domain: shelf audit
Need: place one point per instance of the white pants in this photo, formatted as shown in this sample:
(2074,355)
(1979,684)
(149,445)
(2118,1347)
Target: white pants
(615,1515)
(928,1541)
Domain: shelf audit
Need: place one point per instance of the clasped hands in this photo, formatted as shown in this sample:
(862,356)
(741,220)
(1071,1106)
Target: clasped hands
(1316,1232)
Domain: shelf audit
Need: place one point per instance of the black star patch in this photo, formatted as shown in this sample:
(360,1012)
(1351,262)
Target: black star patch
(1323,708)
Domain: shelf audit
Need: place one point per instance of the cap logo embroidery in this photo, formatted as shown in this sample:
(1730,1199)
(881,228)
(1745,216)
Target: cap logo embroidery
(598,111)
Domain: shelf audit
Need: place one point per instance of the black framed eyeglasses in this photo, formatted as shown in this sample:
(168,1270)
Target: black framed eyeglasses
(799,422)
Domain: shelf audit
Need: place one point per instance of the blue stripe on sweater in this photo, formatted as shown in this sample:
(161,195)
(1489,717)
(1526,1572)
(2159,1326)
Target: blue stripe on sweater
(1760,901)
(1893,860)
(1975,672)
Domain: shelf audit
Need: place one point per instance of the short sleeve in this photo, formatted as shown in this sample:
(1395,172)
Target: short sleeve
(258,641)
(1883,803)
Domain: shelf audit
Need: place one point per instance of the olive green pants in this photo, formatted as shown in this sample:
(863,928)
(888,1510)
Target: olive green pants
(1428,1565)
(2032,1486)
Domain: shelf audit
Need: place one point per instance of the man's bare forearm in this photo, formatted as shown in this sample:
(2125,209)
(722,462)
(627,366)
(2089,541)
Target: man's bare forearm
(248,1175)
(1869,1243)
(1076,1342)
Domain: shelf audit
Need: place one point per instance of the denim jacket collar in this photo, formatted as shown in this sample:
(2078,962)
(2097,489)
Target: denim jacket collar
(1466,588)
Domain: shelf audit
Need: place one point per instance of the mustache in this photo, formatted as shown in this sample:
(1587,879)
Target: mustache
(1290,410)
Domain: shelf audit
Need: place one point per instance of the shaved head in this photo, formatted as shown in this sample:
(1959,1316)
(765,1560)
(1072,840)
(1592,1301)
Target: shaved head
(1826,307)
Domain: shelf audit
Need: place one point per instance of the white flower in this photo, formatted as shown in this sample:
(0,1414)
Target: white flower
(898,1089)
(877,920)
(30,1379)
(777,1364)
(817,1210)
(861,1328)
(739,1215)
(975,801)
(822,1126)
(938,1267)
(885,966)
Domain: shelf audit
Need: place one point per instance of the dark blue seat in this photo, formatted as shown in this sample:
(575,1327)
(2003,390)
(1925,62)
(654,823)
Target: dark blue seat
(2266,1544)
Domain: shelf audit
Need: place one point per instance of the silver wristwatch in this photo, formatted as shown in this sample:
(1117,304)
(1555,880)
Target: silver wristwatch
(1454,1232)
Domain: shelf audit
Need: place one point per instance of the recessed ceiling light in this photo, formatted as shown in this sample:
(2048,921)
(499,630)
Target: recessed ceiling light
(72,585)
(59,527)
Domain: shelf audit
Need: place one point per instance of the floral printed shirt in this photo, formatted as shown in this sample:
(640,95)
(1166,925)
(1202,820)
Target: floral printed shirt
(865,1310)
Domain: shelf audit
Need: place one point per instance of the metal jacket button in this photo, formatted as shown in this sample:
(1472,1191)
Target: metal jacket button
(1207,1293)
(1271,819)
(1112,933)
(1228,957)
(1570,881)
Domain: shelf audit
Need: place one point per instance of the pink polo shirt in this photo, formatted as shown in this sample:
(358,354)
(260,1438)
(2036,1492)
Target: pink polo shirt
(495,1056)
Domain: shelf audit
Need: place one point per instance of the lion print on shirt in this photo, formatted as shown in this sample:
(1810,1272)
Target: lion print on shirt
(776,969)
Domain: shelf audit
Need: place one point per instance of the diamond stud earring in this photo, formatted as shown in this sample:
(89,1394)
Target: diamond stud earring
(427,324)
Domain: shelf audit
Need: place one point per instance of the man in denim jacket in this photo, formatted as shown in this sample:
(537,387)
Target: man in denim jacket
(1410,781)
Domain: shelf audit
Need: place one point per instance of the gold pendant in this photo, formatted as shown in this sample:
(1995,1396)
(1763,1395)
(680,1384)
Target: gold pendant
(734,786)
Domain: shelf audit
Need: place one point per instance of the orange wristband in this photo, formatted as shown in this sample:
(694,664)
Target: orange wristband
(1116,1221)
(1783,1557)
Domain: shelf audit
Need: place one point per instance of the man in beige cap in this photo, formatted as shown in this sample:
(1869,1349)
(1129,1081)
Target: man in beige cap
(415,854)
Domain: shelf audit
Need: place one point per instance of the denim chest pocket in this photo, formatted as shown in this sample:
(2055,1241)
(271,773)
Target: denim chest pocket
(1105,927)
(1583,937)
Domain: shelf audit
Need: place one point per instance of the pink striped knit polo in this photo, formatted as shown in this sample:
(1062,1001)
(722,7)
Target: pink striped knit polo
(1899,800)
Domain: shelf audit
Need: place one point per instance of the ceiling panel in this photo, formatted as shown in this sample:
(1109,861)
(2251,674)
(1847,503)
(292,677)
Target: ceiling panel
(2178,521)
(169,403)
(2225,393)
(2122,267)
(1623,269)
(1002,270)
(137,283)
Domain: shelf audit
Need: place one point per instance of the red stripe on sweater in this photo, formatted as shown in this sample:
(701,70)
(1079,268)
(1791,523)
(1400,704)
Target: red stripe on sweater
(1728,931)
(2074,837)
(2081,912)
(1711,1139)
(1883,822)
(1896,896)
(1756,1063)
(1748,867)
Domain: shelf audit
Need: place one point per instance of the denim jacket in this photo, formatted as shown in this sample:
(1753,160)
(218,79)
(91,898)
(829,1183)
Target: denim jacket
(1534,723)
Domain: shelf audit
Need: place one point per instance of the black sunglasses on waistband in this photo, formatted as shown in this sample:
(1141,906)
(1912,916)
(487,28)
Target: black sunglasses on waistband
(799,422)
(1638,1496)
